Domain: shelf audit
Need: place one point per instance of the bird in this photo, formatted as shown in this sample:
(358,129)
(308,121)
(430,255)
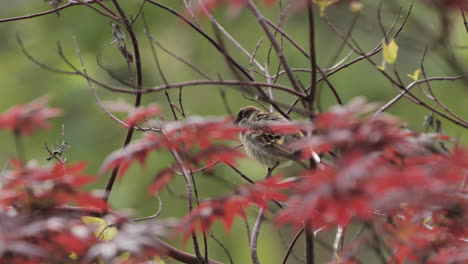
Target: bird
(268,148)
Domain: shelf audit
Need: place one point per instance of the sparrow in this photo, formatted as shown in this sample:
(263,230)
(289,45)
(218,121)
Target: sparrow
(270,149)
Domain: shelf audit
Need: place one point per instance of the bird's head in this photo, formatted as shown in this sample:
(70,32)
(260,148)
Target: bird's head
(246,114)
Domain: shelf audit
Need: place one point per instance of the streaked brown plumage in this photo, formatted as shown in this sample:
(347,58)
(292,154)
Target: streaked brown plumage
(268,148)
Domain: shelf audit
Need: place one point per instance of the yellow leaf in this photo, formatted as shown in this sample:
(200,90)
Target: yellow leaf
(415,75)
(73,256)
(323,4)
(382,68)
(356,7)
(100,224)
(158,260)
(124,257)
(427,219)
(390,51)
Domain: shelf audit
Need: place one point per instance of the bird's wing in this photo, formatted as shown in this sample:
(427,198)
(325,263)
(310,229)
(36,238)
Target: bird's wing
(275,143)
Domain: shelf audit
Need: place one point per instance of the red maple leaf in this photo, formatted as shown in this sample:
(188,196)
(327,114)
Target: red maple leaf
(225,209)
(27,118)
(36,187)
(139,114)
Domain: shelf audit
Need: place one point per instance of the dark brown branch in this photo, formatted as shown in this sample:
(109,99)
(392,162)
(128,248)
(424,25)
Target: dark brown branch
(313,59)
(291,245)
(139,84)
(261,20)
(289,38)
(232,62)
(110,14)
(69,4)
(221,82)
(309,243)
(465,22)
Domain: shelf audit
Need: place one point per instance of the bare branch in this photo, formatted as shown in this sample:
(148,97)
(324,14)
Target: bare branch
(309,243)
(465,22)
(291,245)
(415,83)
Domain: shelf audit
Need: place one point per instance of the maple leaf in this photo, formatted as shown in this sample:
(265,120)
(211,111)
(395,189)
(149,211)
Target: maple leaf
(136,151)
(215,154)
(182,137)
(199,132)
(36,187)
(161,179)
(135,114)
(43,237)
(226,208)
(380,166)
(140,114)
(27,118)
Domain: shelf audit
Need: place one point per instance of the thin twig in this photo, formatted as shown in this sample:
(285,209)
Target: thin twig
(159,68)
(184,61)
(415,83)
(139,12)
(465,21)
(155,215)
(91,87)
(197,200)
(69,4)
(432,95)
(291,245)
(222,93)
(228,254)
(189,192)
(279,51)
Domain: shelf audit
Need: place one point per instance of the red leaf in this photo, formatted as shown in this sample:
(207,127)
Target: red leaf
(227,208)
(27,118)
(161,180)
(88,200)
(136,151)
(139,114)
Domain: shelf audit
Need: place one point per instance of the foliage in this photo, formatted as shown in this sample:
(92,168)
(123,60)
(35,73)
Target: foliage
(407,190)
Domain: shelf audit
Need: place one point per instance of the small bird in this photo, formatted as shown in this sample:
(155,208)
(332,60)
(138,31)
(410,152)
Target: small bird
(268,148)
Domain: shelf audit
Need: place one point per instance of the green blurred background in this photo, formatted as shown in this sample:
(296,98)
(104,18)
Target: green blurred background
(92,135)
